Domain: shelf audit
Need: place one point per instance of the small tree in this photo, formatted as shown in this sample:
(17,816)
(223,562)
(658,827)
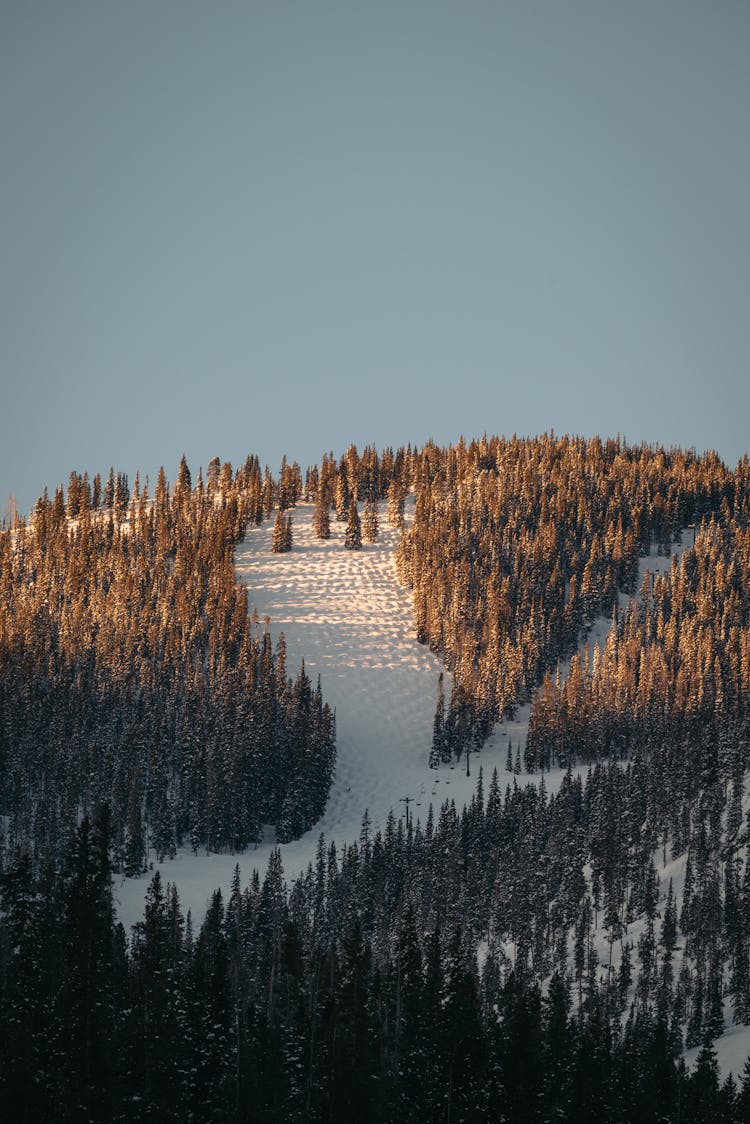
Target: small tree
(341,495)
(281,541)
(321,515)
(396,504)
(353,535)
(370,523)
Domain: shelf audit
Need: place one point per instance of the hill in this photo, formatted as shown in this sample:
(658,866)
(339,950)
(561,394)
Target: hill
(561,925)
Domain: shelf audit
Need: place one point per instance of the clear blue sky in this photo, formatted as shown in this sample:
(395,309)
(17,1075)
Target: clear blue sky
(281,227)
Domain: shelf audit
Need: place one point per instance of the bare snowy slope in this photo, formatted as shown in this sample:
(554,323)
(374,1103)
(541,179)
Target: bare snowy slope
(343,612)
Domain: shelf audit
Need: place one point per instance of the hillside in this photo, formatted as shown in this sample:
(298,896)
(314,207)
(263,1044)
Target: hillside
(346,616)
(531,851)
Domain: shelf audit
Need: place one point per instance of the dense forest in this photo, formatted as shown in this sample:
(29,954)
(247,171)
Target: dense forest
(516,547)
(359,994)
(131,673)
(526,958)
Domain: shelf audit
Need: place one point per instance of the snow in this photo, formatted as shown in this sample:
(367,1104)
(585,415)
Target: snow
(732,1051)
(344,613)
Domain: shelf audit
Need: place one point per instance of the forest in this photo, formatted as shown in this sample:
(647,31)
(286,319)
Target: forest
(132,674)
(514,960)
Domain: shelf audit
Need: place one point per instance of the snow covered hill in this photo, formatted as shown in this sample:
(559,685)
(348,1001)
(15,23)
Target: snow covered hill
(343,613)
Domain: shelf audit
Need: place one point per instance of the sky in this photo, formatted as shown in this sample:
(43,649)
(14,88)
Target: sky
(283,227)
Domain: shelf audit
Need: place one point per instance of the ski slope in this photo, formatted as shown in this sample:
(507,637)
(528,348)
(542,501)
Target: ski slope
(344,613)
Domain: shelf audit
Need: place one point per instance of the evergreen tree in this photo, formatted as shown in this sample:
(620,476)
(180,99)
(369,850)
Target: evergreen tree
(28,1030)
(396,504)
(322,514)
(353,534)
(281,541)
(159,1030)
(438,750)
(86,1001)
(703,1088)
(556,1050)
(352,1050)
(210,1016)
(342,495)
(370,522)
(463,1037)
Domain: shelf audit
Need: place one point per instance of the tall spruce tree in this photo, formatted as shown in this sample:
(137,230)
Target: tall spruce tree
(353,533)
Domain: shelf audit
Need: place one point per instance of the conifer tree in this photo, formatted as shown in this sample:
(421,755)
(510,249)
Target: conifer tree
(370,522)
(109,490)
(281,541)
(322,514)
(342,494)
(396,503)
(439,748)
(87,994)
(353,533)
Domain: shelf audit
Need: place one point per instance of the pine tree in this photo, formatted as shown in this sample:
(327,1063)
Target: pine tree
(210,1018)
(352,1050)
(322,514)
(396,504)
(74,495)
(556,1050)
(122,495)
(135,846)
(281,541)
(370,522)
(96,495)
(109,490)
(87,997)
(462,1034)
(342,495)
(703,1087)
(438,750)
(353,534)
(28,1030)
(184,482)
(159,1029)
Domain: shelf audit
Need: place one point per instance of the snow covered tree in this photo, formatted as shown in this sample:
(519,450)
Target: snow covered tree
(281,541)
(370,522)
(322,514)
(353,533)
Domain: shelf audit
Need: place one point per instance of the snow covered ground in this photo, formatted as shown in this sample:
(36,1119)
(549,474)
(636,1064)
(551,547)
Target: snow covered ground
(346,615)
